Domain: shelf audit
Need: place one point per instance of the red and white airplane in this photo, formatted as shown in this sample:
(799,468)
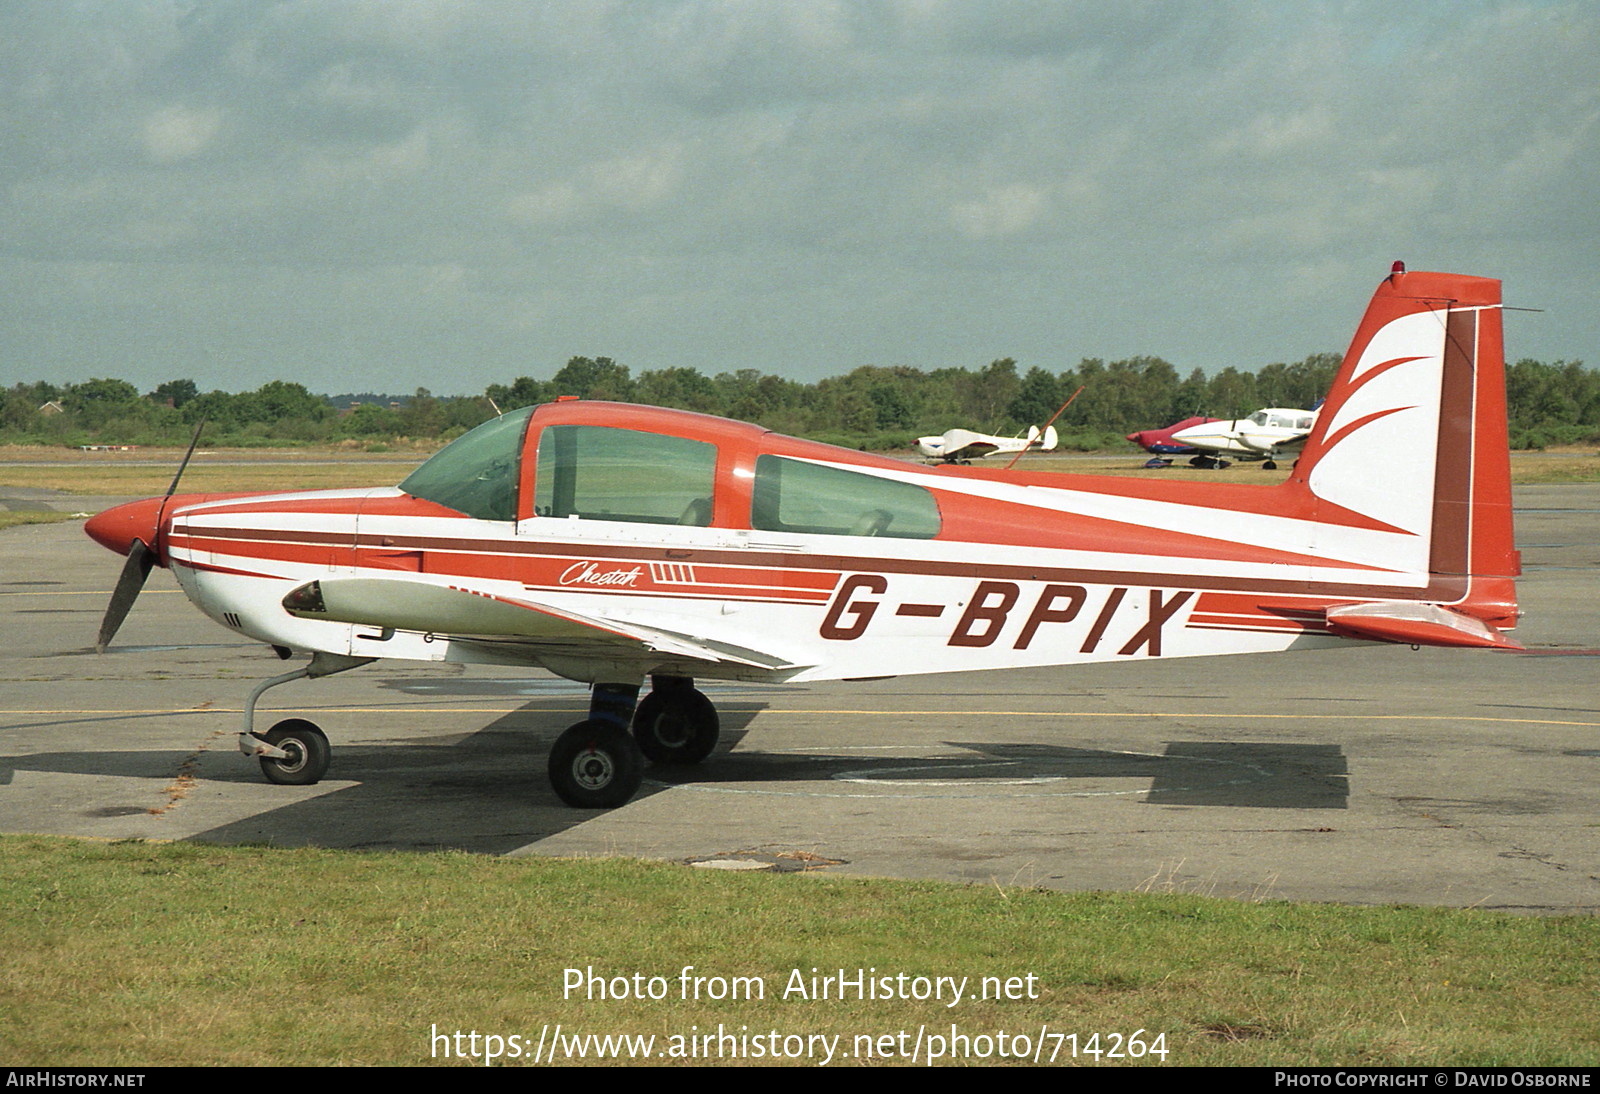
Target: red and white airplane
(1161,443)
(610,543)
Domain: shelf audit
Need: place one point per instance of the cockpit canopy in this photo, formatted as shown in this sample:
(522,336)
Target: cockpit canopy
(617,473)
(1298,420)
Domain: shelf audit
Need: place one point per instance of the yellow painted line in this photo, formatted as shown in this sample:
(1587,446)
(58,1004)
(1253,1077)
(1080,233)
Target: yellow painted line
(278,710)
(780,712)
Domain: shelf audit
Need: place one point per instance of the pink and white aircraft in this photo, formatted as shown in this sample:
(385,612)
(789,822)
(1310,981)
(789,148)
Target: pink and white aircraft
(611,543)
(1161,443)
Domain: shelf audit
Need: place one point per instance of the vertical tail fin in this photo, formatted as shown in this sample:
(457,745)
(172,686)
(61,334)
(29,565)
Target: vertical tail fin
(1412,438)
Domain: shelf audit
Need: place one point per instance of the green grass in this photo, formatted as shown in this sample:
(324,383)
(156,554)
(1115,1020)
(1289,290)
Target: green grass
(11,518)
(328,468)
(129,954)
(1555,469)
(203,478)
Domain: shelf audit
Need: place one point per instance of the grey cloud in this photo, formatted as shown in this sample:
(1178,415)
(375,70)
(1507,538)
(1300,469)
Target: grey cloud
(802,188)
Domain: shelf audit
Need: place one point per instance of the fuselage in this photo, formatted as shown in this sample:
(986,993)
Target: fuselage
(610,543)
(825,562)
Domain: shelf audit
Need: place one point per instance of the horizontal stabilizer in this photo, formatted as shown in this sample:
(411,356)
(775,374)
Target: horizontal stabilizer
(1416,623)
(457,612)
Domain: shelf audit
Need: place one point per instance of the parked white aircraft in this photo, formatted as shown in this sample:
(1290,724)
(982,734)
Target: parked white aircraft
(1265,435)
(964,445)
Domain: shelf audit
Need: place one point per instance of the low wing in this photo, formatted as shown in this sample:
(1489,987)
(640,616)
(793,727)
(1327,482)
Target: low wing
(1294,441)
(457,612)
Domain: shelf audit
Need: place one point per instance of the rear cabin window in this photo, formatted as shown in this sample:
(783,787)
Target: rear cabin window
(797,496)
(601,473)
(476,473)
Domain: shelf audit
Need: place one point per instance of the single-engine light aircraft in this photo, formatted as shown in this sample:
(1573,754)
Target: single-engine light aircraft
(1266,435)
(611,543)
(1160,443)
(964,446)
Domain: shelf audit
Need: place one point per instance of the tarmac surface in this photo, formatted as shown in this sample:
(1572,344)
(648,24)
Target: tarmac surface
(1368,775)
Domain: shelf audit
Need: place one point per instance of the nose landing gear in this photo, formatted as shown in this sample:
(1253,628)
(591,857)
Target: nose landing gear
(294,752)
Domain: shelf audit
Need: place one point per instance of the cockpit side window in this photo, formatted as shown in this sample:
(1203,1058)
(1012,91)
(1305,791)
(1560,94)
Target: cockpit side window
(799,496)
(602,473)
(476,473)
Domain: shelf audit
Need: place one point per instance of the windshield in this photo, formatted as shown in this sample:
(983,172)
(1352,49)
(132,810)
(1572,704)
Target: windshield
(476,473)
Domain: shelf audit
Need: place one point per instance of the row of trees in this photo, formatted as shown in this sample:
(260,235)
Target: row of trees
(871,406)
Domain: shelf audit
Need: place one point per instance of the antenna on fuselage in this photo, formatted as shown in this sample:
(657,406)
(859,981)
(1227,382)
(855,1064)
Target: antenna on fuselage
(1047,425)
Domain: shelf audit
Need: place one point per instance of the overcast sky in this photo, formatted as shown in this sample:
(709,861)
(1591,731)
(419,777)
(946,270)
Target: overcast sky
(445,193)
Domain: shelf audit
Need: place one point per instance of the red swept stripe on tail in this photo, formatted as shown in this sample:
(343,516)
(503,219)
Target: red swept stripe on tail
(1413,435)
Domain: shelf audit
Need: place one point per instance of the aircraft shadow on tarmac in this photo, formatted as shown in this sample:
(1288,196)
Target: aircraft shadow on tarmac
(1224,773)
(485,791)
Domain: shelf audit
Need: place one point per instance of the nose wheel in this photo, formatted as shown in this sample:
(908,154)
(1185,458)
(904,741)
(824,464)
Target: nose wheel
(294,752)
(306,753)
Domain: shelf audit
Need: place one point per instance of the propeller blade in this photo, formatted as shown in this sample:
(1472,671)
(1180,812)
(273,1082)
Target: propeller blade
(134,572)
(141,558)
(193,442)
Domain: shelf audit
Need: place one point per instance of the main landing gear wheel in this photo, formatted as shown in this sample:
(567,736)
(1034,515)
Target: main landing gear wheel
(308,751)
(676,726)
(596,765)
(1270,465)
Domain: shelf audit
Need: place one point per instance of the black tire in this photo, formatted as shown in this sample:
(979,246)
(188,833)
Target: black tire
(595,765)
(1270,465)
(676,726)
(309,753)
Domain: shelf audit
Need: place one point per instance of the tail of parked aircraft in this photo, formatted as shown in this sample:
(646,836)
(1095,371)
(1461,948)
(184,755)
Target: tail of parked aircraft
(1412,440)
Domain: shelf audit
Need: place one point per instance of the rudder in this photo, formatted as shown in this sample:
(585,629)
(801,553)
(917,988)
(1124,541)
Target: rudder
(1413,438)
